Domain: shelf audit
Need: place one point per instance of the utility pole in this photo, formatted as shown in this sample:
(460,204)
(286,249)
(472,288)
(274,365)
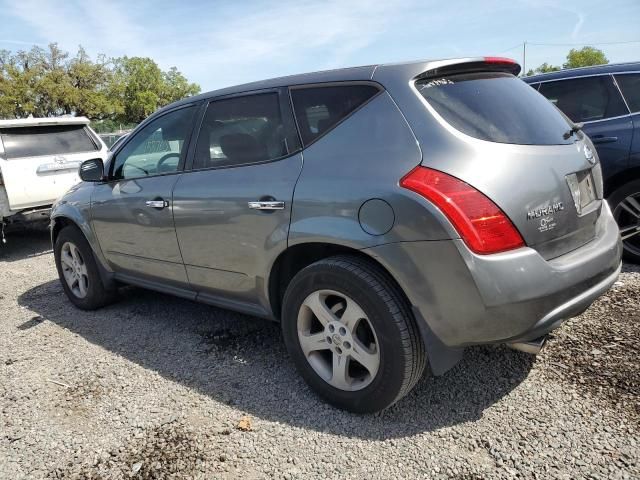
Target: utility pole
(524,58)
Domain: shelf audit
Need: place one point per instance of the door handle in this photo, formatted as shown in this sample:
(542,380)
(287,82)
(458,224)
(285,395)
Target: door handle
(267,205)
(603,139)
(158,203)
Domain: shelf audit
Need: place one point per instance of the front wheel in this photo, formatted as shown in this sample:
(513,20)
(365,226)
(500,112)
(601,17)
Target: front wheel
(78,271)
(625,204)
(351,334)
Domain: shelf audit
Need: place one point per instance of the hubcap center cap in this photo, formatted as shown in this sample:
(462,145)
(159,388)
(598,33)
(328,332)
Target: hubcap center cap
(336,339)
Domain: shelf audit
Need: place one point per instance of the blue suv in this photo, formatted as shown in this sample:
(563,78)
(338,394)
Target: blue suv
(605,99)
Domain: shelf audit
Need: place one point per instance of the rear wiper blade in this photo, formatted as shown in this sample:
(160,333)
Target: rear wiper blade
(575,128)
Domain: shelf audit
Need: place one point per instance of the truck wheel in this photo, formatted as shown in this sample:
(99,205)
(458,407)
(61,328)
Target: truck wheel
(78,271)
(625,204)
(351,334)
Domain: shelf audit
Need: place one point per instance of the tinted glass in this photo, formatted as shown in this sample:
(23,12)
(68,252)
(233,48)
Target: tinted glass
(49,140)
(497,107)
(629,83)
(157,148)
(585,99)
(241,130)
(318,109)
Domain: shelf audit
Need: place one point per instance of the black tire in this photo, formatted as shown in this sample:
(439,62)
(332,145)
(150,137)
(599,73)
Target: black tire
(97,295)
(631,252)
(401,350)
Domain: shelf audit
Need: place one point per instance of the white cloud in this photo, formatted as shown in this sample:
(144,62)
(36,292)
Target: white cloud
(229,43)
(578,26)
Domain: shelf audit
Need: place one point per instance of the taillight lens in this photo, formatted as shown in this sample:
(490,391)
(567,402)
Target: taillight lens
(480,222)
(499,60)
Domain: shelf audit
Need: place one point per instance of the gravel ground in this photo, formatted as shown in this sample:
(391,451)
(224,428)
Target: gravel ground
(158,387)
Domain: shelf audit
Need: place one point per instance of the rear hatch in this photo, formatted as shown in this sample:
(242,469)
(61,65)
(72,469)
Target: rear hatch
(514,146)
(39,162)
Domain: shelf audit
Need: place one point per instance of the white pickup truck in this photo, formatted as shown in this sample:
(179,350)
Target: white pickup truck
(39,160)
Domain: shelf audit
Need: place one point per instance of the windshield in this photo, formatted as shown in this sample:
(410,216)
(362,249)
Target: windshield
(496,107)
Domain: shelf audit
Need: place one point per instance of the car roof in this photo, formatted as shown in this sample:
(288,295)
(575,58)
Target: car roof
(37,122)
(584,71)
(349,74)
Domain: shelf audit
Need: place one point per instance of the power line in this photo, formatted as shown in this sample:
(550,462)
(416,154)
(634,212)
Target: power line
(581,43)
(519,45)
(511,48)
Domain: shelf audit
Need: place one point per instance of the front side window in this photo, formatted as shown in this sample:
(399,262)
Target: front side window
(629,83)
(157,148)
(240,131)
(585,99)
(318,109)
(46,140)
(496,107)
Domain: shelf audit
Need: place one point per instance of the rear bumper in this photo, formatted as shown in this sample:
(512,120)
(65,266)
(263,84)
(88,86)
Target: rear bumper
(468,299)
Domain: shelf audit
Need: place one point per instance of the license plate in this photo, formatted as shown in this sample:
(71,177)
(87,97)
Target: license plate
(582,189)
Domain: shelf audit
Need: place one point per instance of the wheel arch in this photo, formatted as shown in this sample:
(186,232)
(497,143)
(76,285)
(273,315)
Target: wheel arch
(70,217)
(620,179)
(295,258)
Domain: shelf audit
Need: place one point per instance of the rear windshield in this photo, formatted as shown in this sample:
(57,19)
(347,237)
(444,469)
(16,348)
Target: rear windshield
(497,107)
(46,140)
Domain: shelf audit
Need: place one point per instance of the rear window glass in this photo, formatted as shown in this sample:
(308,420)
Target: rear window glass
(585,99)
(630,85)
(497,107)
(46,140)
(240,131)
(318,109)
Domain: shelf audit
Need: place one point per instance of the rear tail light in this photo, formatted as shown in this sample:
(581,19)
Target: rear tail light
(480,222)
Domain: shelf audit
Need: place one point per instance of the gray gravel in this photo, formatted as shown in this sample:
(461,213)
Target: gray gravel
(157,387)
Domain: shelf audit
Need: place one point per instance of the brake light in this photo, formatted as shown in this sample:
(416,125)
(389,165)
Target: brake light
(500,60)
(480,222)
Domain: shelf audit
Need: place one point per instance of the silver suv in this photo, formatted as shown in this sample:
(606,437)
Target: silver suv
(384,215)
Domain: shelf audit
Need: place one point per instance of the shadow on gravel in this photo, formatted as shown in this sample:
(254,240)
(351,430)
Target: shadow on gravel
(241,361)
(25,244)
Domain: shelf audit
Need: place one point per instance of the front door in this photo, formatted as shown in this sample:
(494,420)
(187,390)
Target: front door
(132,213)
(232,211)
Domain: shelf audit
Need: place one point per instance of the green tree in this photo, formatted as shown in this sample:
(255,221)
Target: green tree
(91,84)
(585,57)
(544,68)
(176,86)
(137,85)
(47,81)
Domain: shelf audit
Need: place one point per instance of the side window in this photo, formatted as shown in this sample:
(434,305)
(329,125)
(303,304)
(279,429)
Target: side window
(157,148)
(585,99)
(241,130)
(629,83)
(318,109)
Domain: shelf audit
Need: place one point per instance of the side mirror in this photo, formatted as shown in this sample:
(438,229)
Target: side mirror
(92,170)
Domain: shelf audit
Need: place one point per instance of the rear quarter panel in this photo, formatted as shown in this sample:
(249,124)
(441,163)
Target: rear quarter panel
(363,158)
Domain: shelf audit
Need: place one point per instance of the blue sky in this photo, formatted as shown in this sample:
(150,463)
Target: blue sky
(221,43)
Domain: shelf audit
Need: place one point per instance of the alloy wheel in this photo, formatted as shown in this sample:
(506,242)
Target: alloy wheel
(338,340)
(627,214)
(74,269)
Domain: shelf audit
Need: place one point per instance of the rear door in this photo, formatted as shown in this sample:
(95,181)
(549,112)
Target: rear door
(596,102)
(629,84)
(132,213)
(232,210)
(40,163)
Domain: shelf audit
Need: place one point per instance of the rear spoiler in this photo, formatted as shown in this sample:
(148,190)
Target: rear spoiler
(46,121)
(469,65)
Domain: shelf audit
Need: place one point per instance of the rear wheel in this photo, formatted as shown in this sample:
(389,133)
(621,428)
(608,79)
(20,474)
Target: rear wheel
(78,271)
(625,203)
(351,334)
